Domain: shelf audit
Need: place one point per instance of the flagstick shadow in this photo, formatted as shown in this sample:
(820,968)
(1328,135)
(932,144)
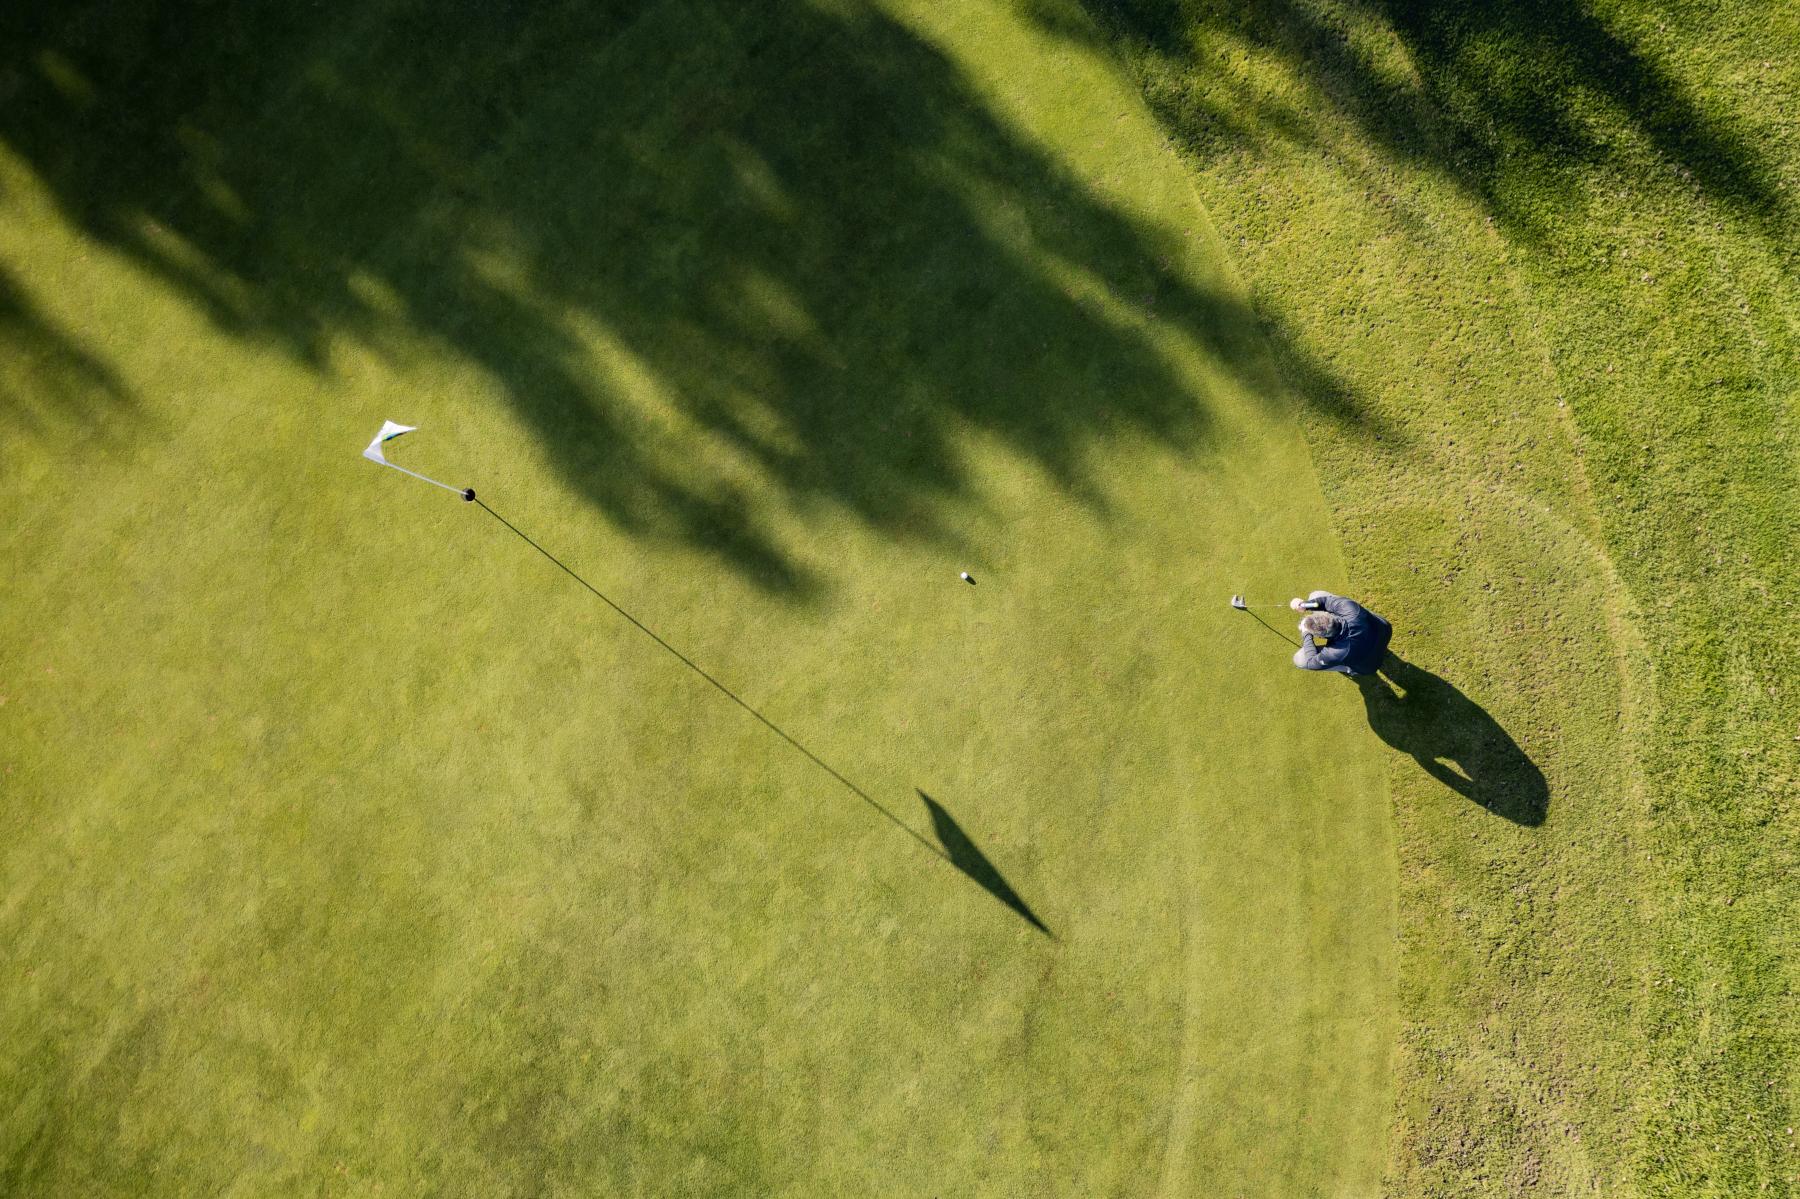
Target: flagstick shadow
(957,849)
(972,862)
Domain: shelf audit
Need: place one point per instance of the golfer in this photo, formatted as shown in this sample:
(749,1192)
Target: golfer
(1340,634)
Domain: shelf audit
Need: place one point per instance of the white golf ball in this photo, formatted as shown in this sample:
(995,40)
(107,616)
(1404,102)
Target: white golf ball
(964,576)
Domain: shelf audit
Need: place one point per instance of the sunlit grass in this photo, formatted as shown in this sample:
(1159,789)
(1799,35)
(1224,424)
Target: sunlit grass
(1552,245)
(349,846)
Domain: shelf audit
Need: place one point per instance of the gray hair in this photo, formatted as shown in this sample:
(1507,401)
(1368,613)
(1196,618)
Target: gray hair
(1321,624)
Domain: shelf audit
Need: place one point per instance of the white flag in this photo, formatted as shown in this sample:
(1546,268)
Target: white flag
(389,431)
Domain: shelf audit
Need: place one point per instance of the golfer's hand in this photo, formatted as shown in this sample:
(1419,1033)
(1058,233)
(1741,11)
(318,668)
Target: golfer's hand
(1296,603)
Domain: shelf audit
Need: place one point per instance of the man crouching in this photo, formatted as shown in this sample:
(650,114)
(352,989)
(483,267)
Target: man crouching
(1340,634)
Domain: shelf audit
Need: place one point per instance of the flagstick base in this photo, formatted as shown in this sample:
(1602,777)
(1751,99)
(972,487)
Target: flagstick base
(468,495)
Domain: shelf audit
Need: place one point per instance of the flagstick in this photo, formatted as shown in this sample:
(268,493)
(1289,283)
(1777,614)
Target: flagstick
(415,474)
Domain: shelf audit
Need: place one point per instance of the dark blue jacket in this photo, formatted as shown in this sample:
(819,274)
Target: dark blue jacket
(1357,650)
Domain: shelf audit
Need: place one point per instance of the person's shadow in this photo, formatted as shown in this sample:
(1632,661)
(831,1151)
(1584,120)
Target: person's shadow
(1454,740)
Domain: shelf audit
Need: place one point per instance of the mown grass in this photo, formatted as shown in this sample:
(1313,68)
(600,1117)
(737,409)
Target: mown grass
(1553,245)
(349,847)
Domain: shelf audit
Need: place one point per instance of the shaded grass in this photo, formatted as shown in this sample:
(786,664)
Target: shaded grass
(626,263)
(348,845)
(1553,244)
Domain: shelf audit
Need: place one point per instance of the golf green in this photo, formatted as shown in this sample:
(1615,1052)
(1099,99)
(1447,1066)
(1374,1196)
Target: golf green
(351,846)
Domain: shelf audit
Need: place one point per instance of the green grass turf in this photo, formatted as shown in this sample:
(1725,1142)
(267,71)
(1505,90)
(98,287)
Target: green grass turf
(348,847)
(1554,246)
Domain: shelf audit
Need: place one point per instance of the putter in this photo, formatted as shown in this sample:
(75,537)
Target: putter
(1237,601)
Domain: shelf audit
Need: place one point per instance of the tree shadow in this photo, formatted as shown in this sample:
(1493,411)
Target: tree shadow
(795,236)
(1508,100)
(46,377)
(972,862)
(1454,740)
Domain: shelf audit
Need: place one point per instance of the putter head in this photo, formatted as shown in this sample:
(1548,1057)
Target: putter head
(1237,601)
